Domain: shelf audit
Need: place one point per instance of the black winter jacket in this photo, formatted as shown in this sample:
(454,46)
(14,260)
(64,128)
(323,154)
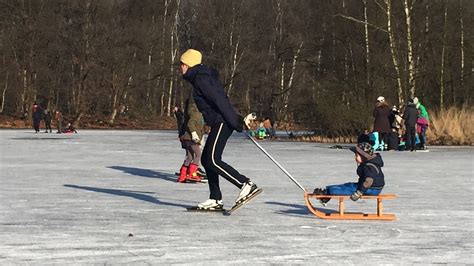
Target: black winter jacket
(410,115)
(210,97)
(371,168)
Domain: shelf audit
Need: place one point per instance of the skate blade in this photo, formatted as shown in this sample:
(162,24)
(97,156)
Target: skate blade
(197,209)
(244,202)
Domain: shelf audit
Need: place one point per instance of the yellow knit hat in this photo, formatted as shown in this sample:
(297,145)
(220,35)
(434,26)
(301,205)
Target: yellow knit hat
(191,57)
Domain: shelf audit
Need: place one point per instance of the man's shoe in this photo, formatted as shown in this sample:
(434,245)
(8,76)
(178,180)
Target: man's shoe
(211,204)
(247,190)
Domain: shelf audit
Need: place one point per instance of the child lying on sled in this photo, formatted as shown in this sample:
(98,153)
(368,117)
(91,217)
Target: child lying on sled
(369,170)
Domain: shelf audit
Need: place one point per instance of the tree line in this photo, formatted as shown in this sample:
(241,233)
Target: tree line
(313,62)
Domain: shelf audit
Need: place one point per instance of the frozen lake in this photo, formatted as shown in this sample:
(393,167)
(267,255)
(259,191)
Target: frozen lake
(108,197)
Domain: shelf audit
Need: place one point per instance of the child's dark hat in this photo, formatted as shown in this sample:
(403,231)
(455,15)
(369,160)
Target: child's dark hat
(364,149)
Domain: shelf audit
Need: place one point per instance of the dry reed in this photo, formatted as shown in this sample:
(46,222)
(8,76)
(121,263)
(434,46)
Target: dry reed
(452,126)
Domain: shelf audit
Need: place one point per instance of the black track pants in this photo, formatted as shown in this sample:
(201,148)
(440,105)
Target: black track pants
(212,161)
(410,138)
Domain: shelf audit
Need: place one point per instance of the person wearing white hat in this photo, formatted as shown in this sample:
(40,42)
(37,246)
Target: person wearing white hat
(381,113)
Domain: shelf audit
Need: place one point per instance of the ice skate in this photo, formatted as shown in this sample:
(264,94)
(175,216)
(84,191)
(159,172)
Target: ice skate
(201,172)
(210,205)
(247,190)
(247,193)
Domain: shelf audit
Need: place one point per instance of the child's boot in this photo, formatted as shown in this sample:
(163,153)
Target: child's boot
(193,175)
(321,191)
(182,174)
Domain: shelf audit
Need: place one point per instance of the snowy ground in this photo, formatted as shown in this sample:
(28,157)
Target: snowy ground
(108,197)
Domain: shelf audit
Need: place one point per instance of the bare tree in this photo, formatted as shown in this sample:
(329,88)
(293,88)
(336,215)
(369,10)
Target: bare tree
(408,8)
(443,52)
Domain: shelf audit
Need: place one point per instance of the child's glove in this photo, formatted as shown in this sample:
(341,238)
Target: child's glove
(195,137)
(356,195)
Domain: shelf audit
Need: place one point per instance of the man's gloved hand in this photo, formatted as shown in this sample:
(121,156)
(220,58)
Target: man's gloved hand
(356,195)
(195,137)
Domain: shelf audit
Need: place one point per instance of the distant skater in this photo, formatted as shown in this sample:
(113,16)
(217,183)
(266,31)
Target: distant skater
(37,112)
(47,121)
(410,116)
(58,116)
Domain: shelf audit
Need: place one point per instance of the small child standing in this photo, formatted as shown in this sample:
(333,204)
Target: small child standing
(191,135)
(371,178)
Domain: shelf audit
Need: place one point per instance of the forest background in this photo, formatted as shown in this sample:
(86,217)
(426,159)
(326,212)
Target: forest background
(313,64)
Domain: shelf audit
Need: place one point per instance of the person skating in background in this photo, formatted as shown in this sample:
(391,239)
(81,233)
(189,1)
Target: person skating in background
(269,127)
(220,115)
(410,116)
(37,112)
(395,123)
(381,115)
(369,170)
(58,116)
(47,121)
(191,136)
(422,122)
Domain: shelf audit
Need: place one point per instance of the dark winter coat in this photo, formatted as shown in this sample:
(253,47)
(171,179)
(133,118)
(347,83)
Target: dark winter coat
(47,117)
(210,97)
(381,114)
(193,121)
(37,113)
(410,115)
(371,168)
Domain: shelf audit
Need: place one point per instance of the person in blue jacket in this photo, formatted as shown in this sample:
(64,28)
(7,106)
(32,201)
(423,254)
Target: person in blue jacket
(220,115)
(371,178)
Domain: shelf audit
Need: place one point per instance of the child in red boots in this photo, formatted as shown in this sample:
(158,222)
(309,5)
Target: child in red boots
(191,136)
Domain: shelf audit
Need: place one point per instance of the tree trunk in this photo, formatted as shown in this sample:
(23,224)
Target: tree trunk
(149,66)
(443,52)
(393,50)
(3,93)
(411,62)
(174,53)
(461,22)
(367,47)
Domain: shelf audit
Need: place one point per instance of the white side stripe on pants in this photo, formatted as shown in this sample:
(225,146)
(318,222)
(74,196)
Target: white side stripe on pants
(212,155)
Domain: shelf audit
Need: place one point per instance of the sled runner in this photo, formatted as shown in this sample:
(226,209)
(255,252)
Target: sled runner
(342,215)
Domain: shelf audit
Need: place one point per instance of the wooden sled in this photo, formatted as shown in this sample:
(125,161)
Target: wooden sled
(341,215)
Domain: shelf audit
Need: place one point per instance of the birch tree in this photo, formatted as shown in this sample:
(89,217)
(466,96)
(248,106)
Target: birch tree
(408,8)
(174,47)
(393,50)
(443,52)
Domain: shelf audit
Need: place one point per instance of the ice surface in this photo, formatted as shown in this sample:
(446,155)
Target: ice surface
(108,197)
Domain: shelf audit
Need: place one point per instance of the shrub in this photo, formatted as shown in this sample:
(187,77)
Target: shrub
(452,126)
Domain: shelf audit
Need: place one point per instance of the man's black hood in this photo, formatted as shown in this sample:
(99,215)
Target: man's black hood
(190,75)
